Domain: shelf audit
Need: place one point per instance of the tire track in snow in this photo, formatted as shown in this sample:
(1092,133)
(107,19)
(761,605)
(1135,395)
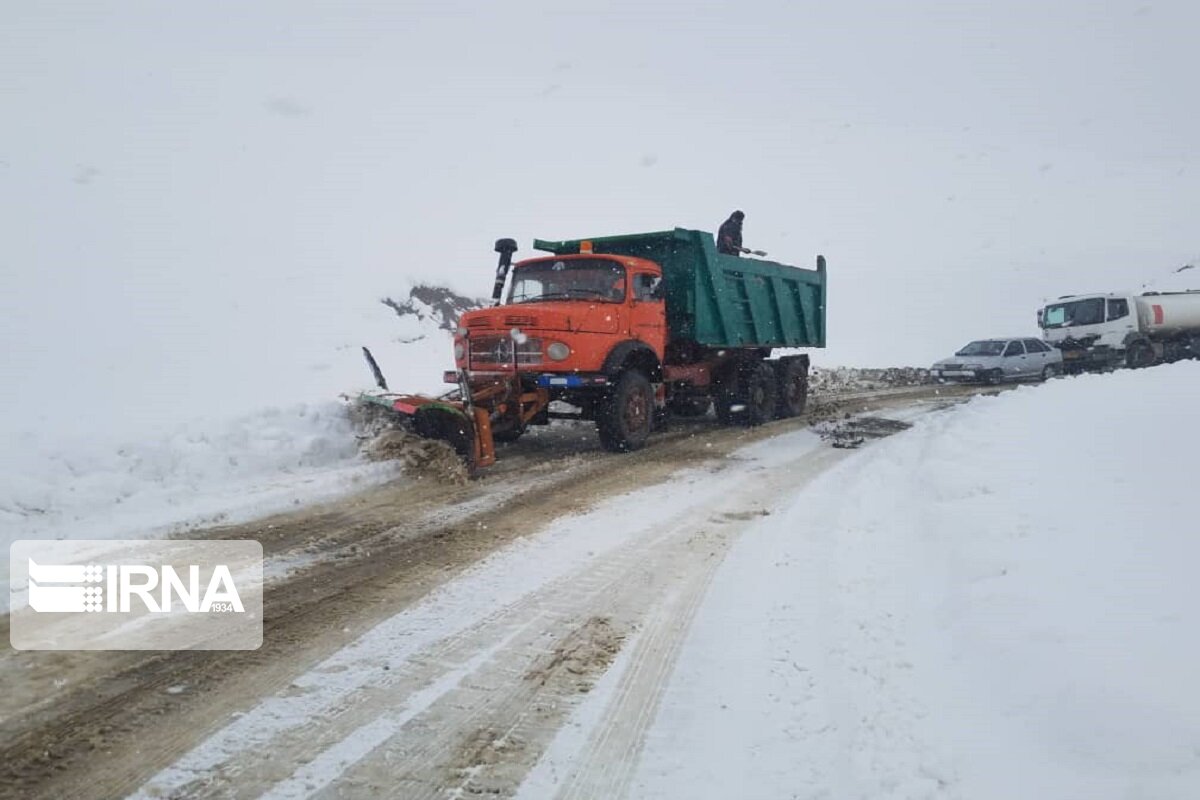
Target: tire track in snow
(577,567)
(603,762)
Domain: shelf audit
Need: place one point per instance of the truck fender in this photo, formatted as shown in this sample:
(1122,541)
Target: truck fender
(633,353)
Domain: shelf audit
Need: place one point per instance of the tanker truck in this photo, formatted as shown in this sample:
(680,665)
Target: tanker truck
(1104,331)
(622,331)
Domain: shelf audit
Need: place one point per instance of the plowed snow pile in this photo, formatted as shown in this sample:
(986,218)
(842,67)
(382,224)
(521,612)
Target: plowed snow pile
(829,380)
(91,476)
(420,457)
(204,472)
(1001,602)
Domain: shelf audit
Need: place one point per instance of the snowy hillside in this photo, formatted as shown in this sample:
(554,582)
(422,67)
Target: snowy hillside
(56,484)
(998,603)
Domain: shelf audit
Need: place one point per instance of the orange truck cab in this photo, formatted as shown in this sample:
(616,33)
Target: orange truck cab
(563,315)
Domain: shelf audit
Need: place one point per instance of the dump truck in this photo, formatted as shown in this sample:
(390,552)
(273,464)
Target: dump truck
(623,331)
(1098,332)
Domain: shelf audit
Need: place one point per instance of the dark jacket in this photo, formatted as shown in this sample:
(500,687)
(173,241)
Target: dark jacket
(729,237)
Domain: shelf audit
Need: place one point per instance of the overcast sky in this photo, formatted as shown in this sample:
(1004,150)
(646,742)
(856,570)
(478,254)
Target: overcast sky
(200,200)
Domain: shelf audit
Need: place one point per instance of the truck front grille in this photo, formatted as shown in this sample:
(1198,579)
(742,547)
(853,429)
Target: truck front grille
(489,352)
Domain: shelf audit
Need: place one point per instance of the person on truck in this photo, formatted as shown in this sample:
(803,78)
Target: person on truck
(729,237)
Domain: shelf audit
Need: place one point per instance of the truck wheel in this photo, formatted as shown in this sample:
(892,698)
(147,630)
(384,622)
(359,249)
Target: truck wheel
(624,418)
(761,394)
(727,394)
(793,389)
(1139,354)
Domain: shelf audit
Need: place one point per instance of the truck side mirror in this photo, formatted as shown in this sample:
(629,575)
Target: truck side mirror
(647,288)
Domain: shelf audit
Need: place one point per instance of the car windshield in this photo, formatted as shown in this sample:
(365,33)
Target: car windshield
(986,347)
(1077,312)
(569,279)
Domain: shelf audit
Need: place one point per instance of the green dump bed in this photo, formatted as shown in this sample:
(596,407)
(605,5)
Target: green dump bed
(719,300)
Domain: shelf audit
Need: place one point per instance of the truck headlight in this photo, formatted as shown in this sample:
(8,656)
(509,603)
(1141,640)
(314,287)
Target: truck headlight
(557,351)
(460,350)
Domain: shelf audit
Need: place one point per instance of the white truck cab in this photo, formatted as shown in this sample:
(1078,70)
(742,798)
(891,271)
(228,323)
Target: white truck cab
(1103,331)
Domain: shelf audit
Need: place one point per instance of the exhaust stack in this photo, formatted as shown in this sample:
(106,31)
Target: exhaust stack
(506,248)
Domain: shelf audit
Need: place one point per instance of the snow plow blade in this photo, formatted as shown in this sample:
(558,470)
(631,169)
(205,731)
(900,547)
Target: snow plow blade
(468,432)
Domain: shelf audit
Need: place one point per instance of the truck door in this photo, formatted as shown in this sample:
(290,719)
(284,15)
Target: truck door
(647,311)
(1118,314)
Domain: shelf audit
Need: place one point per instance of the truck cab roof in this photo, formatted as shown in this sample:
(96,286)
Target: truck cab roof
(631,262)
(1104,295)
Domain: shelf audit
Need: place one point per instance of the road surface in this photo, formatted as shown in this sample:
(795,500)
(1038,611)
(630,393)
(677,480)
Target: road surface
(426,639)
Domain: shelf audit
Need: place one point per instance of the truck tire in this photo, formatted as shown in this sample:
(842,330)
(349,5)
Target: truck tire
(727,394)
(793,389)
(1139,354)
(746,394)
(626,415)
(762,393)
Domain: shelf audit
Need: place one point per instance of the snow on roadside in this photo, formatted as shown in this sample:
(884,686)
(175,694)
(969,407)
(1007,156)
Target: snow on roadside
(202,473)
(999,603)
(104,481)
(192,474)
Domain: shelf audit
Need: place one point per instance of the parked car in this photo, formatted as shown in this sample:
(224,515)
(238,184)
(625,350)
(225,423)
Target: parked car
(996,360)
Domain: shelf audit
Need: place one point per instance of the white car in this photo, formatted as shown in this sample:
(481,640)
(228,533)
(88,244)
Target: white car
(997,360)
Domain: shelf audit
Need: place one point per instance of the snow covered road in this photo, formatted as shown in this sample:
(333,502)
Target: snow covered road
(77,725)
(995,603)
(497,657)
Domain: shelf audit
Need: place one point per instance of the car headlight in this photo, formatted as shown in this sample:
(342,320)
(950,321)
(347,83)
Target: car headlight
(460,350)
(557,351)
(973,366)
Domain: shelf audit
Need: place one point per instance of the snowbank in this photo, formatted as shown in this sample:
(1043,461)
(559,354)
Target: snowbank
(203,471)
(829,380)
(61,482)
(998,603)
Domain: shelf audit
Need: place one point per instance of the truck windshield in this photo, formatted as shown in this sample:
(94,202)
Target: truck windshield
(983,348)
(569,279)
(1077,312)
